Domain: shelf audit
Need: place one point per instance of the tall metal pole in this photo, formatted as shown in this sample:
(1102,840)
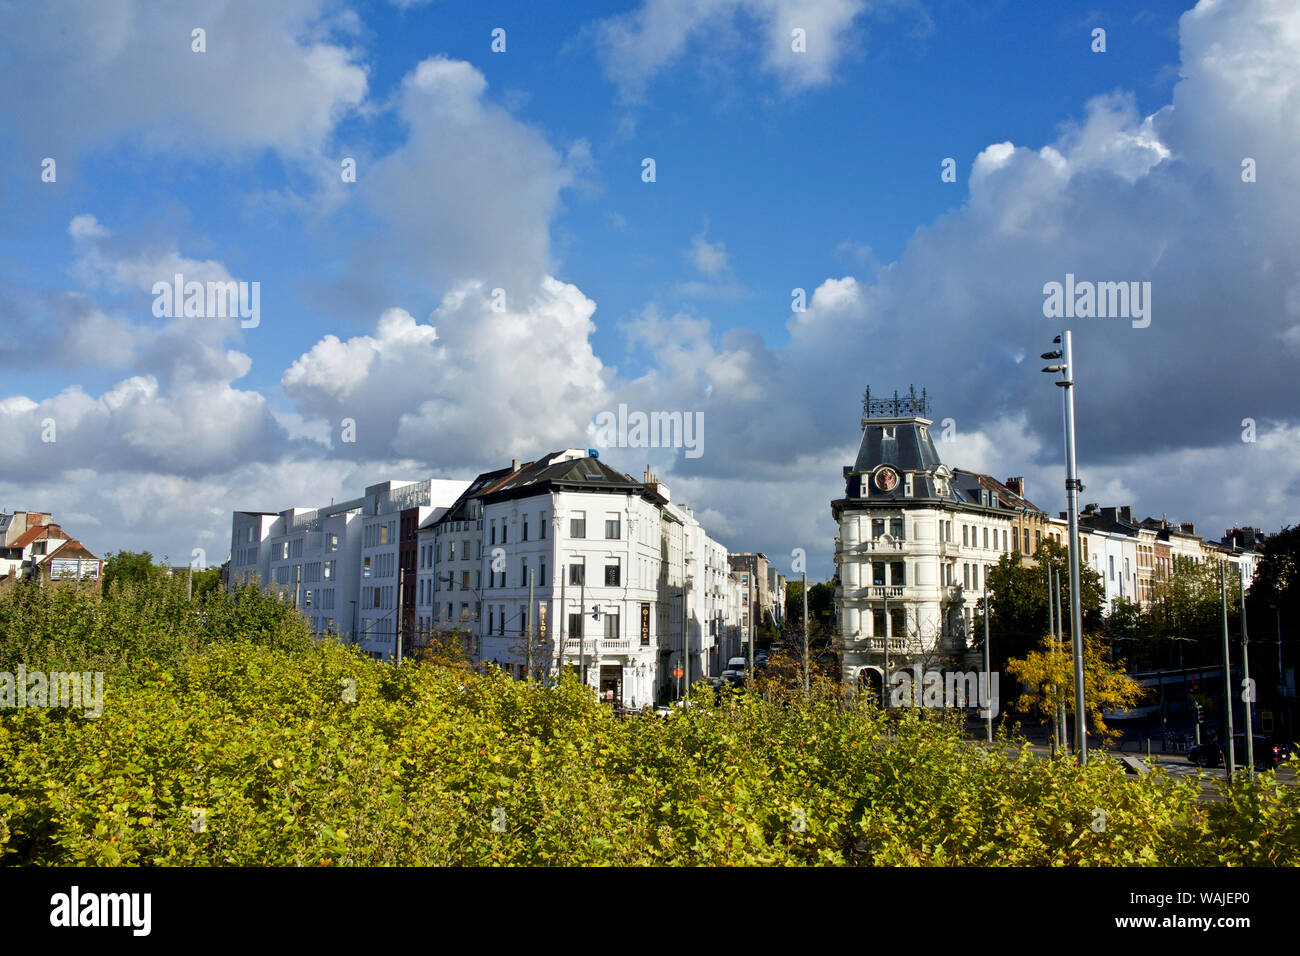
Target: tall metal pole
(988,680)
(686,636)
(1227,667)
(528,651)
(884,682)
(401,590)
(1057,724)
(564,618)
(1076,595)
(806,634)
(1060,637)
(582,624)
(1245,675)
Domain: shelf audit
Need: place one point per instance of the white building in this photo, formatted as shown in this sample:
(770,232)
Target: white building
(341,564)
(916,542)
(606,554)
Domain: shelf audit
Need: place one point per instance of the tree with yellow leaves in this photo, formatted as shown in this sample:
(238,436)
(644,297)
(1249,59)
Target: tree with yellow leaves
(1047,674)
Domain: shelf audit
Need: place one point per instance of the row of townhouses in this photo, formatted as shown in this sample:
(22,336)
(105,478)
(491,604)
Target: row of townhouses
(917,539)
(621,577)
(34,547)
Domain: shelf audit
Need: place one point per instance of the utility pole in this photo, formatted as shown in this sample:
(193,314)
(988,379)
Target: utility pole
(1051,630)
(564,617)
(189,584)
(1072,488)
(884,683)
(988,678)
(401,593)
(753,620)
(1227,676)
(686,636)
(528,651)
(806,636)
(1060,637)
(582,624)
(1247,686)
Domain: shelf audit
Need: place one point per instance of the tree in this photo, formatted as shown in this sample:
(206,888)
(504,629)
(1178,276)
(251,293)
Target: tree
(130,567)
(1019,602)
(1046,675)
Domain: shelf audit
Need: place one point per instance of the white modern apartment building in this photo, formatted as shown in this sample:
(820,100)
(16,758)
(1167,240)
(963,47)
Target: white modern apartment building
(340,564)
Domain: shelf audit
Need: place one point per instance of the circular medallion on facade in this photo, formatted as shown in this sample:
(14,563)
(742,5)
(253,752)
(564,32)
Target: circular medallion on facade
(886,479)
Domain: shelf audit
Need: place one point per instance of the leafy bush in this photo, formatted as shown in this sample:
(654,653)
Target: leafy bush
(316,756)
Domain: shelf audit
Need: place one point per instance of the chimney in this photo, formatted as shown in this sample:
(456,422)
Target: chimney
(1187,527)
(1017,485)
(1126,512)
(514,464)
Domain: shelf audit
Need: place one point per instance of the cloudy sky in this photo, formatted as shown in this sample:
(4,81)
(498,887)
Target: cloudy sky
(499,270)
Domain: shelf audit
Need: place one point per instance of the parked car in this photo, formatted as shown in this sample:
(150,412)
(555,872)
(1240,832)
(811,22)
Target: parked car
(737,664)
(1269,752)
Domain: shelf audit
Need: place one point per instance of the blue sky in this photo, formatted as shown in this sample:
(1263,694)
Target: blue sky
(774,170)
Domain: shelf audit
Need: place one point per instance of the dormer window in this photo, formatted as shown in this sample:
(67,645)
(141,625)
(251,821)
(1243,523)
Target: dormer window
(889,431)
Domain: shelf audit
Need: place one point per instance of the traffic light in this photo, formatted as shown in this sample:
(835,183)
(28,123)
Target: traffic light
(595,612)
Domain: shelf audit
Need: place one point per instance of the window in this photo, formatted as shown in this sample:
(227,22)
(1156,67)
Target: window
(541,572)
(541,525)
(613,528)
(578,573)
(1112,567)
(464,550)
(877,528)
(505,532)
(986,539)
(377,598)
(575,626)
(975,577)
(878,573)
(1004,540)
(494,532)
(523,619)
(383,534)
(896,528)
(523,536)
(612,577)
(331,542)
(878,622)
(491,617)
(365,566)
(578,525)
(611,626)
(501,621)
(464,580)
(306,598)
(451,550)
(965,575)
(523,572)
(1038,540)
(329,570)
(898,573)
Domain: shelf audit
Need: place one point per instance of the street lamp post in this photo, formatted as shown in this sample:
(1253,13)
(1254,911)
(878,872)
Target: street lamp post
(1248,688)
(1227,673)
(1072,489)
